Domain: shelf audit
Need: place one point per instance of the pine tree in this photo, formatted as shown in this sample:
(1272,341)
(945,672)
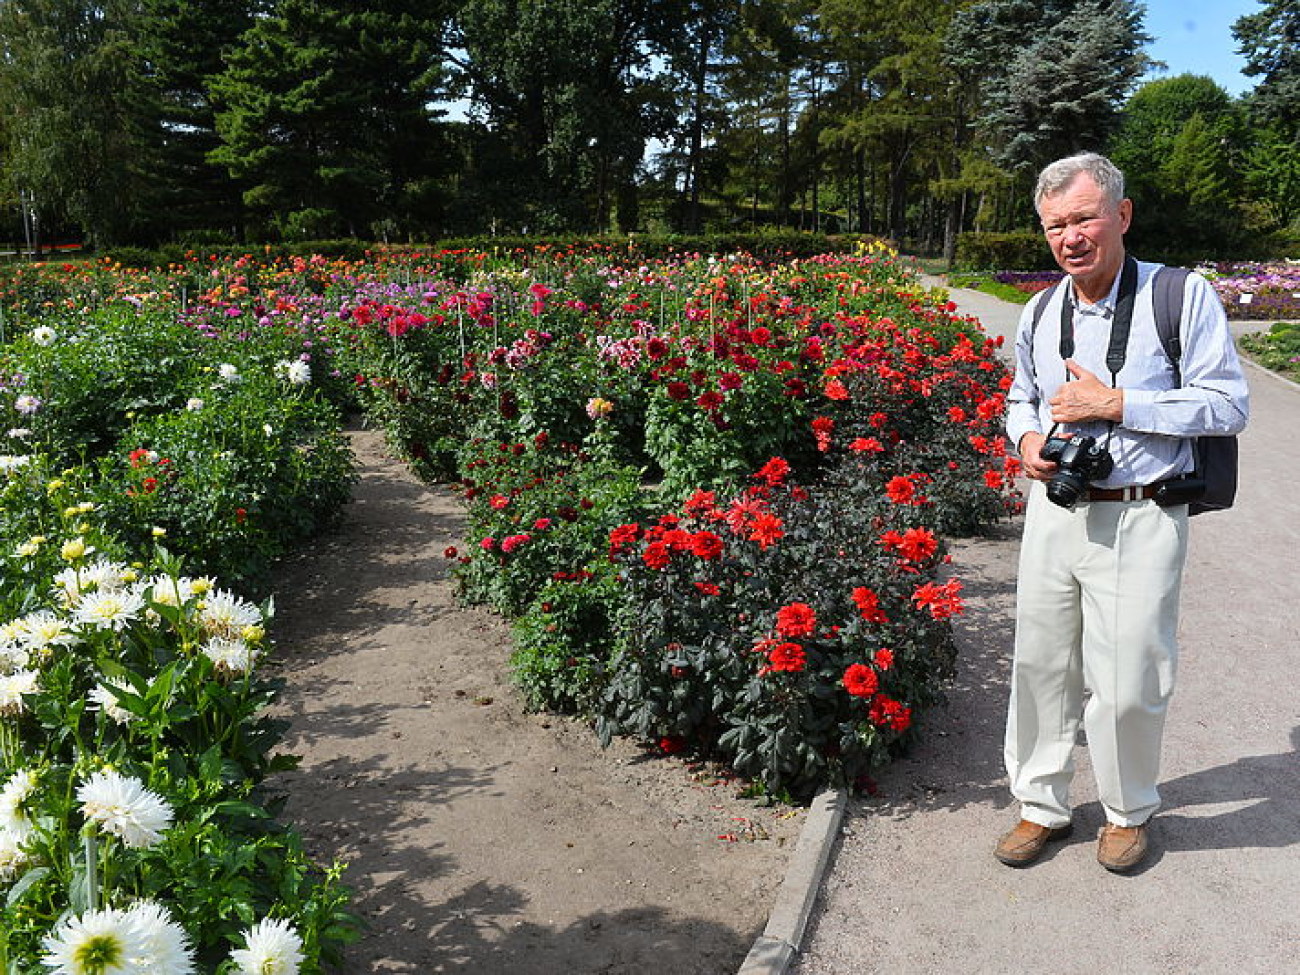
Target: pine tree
(323,112)
(182,44)
(1054,74)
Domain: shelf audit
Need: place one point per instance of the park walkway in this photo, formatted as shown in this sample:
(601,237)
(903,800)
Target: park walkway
(913,886)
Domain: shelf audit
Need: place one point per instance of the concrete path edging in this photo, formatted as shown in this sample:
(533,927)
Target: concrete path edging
(775,949)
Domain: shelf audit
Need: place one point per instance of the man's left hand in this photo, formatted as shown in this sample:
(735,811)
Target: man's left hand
(1087,398)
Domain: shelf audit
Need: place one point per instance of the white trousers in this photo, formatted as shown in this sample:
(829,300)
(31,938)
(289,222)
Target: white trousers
(1096,609)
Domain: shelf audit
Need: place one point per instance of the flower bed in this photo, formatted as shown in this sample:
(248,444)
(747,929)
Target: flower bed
(1249,292)
(711,493)
(133,734)
(1030,282)
(578,399)
(1258,292)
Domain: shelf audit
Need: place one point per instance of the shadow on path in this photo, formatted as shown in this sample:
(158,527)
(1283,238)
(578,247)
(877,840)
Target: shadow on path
(1253,802)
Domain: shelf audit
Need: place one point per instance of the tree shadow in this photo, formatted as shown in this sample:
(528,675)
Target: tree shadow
(390,512)
(481,932)
(482,927)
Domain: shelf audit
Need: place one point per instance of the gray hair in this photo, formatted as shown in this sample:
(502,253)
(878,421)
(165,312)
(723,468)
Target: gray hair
(1056,176)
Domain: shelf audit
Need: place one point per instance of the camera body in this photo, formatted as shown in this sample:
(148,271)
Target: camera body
(1079,459)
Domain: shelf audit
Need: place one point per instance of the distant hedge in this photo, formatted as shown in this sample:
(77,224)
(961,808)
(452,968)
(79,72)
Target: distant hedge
(1022,251)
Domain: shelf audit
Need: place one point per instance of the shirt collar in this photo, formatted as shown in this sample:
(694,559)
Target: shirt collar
(1106,307)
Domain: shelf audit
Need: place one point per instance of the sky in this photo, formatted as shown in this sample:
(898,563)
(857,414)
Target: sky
(1195,37)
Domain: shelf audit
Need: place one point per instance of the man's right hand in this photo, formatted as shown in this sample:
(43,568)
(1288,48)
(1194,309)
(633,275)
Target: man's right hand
(1035,468)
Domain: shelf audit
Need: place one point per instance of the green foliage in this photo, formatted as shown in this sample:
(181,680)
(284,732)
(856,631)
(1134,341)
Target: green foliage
(540,510)
(711,663)
(142,671)
(1270,41)
(322,114)
(995,251)
(235,472)
(697,445)
(1179,144)
(98,373)
(566,639)
(982,281)
(1273,176)
(181,45)
(236,482)
(1050,75)
(570,102)
(68,87)
(1277,349)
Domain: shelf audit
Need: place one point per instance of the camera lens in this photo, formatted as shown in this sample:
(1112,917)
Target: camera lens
(1066,488)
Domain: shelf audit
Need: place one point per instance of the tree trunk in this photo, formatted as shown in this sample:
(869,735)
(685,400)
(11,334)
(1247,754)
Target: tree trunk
(694,160)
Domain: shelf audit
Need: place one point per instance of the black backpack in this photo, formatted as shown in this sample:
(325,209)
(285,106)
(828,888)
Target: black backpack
(1213,484)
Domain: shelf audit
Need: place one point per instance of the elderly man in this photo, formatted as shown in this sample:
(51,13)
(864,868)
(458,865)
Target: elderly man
(1102,555)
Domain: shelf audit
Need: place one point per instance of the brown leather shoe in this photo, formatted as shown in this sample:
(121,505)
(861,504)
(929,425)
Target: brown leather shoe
(1121,848)
(1025,844)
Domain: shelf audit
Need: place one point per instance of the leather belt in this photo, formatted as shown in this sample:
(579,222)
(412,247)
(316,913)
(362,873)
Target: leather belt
(1136,492)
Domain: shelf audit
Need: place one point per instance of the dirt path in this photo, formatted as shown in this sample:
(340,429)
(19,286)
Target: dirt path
(481,838)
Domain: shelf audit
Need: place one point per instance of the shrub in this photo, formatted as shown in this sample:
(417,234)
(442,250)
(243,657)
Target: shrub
(119,669)
(537,509)
(566,639)
(785,631)
(990,252)
(1277,349)
(253,469)
(91,376)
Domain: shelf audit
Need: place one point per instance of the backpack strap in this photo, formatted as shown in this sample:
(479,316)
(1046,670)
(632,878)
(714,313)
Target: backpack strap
(1167,298)
(1045,299)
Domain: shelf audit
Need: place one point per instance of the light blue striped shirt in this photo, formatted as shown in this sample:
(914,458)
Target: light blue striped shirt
(1150,444)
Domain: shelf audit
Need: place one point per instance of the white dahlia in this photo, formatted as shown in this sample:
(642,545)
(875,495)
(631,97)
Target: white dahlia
(167,949)
(13,803)
(44,629)
(122,806)
(13,858)
(230,656)
(272,947)
(106,574)
(13,687)
(111,609)
(94,943)
(224,614)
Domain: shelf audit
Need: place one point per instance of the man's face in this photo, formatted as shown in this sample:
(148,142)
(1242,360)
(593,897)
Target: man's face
(1086,234)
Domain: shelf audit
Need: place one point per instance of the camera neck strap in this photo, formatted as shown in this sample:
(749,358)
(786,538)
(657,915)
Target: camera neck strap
(1120,324)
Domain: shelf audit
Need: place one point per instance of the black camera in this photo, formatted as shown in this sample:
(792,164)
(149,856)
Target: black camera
(1078,460)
